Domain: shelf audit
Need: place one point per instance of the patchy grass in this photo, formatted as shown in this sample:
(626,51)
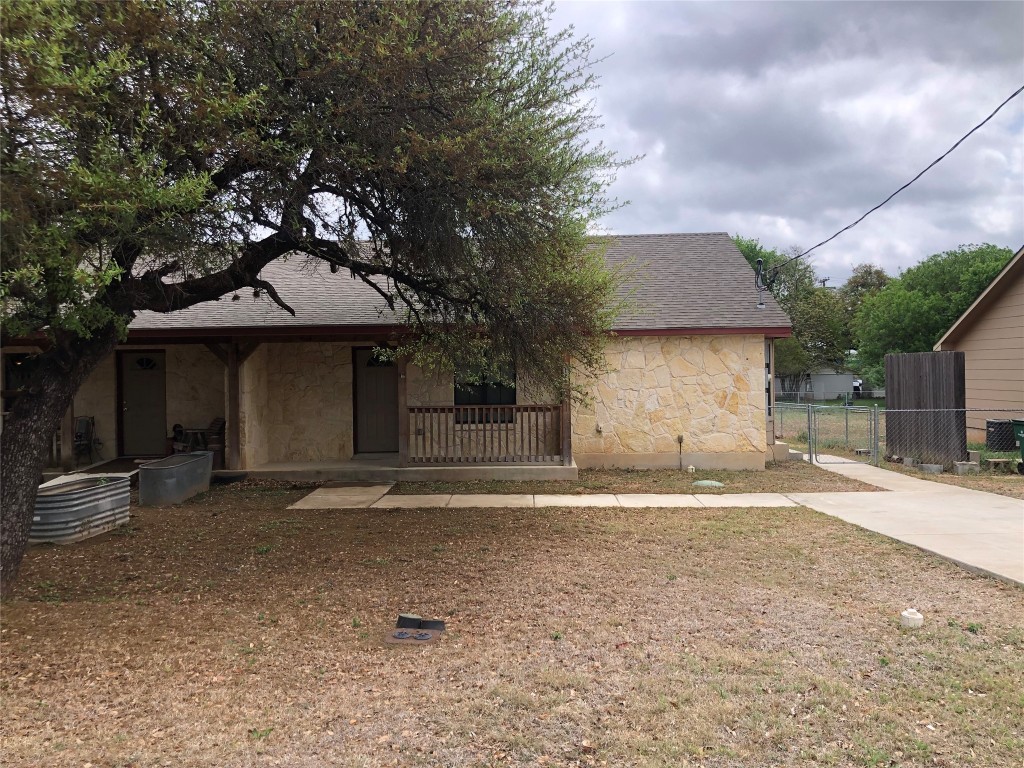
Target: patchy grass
(717,637)
(782,477)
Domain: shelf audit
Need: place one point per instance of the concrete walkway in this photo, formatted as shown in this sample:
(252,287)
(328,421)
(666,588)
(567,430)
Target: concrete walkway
(983,532)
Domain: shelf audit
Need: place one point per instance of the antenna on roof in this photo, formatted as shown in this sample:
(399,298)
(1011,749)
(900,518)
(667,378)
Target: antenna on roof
(759,282)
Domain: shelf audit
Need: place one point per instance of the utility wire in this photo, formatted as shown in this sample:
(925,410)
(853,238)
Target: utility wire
(1012,96)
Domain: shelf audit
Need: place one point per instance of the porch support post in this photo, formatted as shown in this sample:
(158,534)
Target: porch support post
(234,411)
(403,414)
(566,423)
(67,439)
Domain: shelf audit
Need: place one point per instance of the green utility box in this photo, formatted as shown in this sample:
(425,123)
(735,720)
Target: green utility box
(1018,436)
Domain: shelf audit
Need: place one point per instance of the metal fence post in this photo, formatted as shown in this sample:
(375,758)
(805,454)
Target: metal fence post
(846,413)
(810,434)
(874,445)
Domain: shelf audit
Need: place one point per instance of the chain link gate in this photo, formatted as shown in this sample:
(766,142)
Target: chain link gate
(842,434)
(830,434)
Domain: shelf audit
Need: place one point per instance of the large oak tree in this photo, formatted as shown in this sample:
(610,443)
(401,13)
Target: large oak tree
(160,153)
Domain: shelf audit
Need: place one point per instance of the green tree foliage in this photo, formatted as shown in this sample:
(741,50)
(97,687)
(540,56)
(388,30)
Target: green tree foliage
(865,280)
(158,154)
(912,311)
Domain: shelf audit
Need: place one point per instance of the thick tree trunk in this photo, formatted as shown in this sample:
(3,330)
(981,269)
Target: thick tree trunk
(27,431)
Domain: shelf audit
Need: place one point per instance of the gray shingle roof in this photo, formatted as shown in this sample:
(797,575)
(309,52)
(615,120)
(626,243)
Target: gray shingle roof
(677,281)
(692,280)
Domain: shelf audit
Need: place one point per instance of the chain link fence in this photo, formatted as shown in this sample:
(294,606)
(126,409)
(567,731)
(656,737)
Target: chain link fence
(987,438)
(829,396)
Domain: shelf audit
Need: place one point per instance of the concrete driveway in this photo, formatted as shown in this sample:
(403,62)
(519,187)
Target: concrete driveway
(983,532)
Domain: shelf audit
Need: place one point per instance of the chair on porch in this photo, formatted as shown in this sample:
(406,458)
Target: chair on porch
(85,430)
(199,438)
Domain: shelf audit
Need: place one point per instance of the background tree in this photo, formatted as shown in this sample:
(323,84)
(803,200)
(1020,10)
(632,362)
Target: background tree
(865,280)
(159,153)
(912,311)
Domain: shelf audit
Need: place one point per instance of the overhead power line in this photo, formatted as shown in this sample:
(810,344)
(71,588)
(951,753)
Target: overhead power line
(775,271)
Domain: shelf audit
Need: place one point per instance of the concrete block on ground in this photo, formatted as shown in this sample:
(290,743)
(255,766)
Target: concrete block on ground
(966,467)
(346,497)
(932,469)
(909,462)
(974,456)
(795,455)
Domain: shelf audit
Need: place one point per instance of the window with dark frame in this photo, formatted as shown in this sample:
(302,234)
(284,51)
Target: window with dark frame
(485,393)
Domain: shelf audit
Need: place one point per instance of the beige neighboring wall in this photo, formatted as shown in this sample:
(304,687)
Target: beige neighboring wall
(992,340)
(296,403)
(709,389)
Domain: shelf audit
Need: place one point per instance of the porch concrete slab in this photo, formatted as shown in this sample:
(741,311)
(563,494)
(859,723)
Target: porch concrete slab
(575,500)
(413,501)
(346,497)
(744,500)
(637,500)
(491,500)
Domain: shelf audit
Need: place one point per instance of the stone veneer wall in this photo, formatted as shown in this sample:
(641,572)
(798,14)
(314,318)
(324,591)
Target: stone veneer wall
(303,411)
(196,386)
(709,389)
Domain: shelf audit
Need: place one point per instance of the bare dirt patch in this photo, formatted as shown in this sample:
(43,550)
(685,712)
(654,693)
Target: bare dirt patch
(231,631)
(782,477)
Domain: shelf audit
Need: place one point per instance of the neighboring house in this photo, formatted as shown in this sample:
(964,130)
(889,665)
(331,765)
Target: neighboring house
(826,384)
(991,336)
(688,379)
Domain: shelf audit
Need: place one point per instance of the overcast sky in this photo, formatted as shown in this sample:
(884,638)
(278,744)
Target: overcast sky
(786,121)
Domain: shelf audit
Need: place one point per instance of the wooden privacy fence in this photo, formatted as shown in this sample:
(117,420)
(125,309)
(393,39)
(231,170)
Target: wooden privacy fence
(925,402)
(467,434)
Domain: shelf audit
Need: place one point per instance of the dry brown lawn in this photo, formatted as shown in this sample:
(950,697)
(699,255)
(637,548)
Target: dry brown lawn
(230,631)
(782,477)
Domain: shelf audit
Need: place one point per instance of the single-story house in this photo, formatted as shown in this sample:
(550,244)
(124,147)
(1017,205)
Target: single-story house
(824,384)
(991,336)
(688,381)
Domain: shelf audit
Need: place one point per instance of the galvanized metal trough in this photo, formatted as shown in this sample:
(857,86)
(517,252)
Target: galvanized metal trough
(173,479)
(75,510)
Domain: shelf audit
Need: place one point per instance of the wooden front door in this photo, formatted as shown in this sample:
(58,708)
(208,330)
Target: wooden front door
(376,404)
(143,403)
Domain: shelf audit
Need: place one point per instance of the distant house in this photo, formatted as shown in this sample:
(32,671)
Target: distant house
(991,336)
(825,384)
(687,382)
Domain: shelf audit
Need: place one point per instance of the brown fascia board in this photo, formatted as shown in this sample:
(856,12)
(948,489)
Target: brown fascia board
(772,332)
(1000,283)
(348,333)
(265,333)
(371,333)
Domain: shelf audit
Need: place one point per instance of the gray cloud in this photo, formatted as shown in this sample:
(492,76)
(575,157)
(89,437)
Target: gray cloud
(786,121)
